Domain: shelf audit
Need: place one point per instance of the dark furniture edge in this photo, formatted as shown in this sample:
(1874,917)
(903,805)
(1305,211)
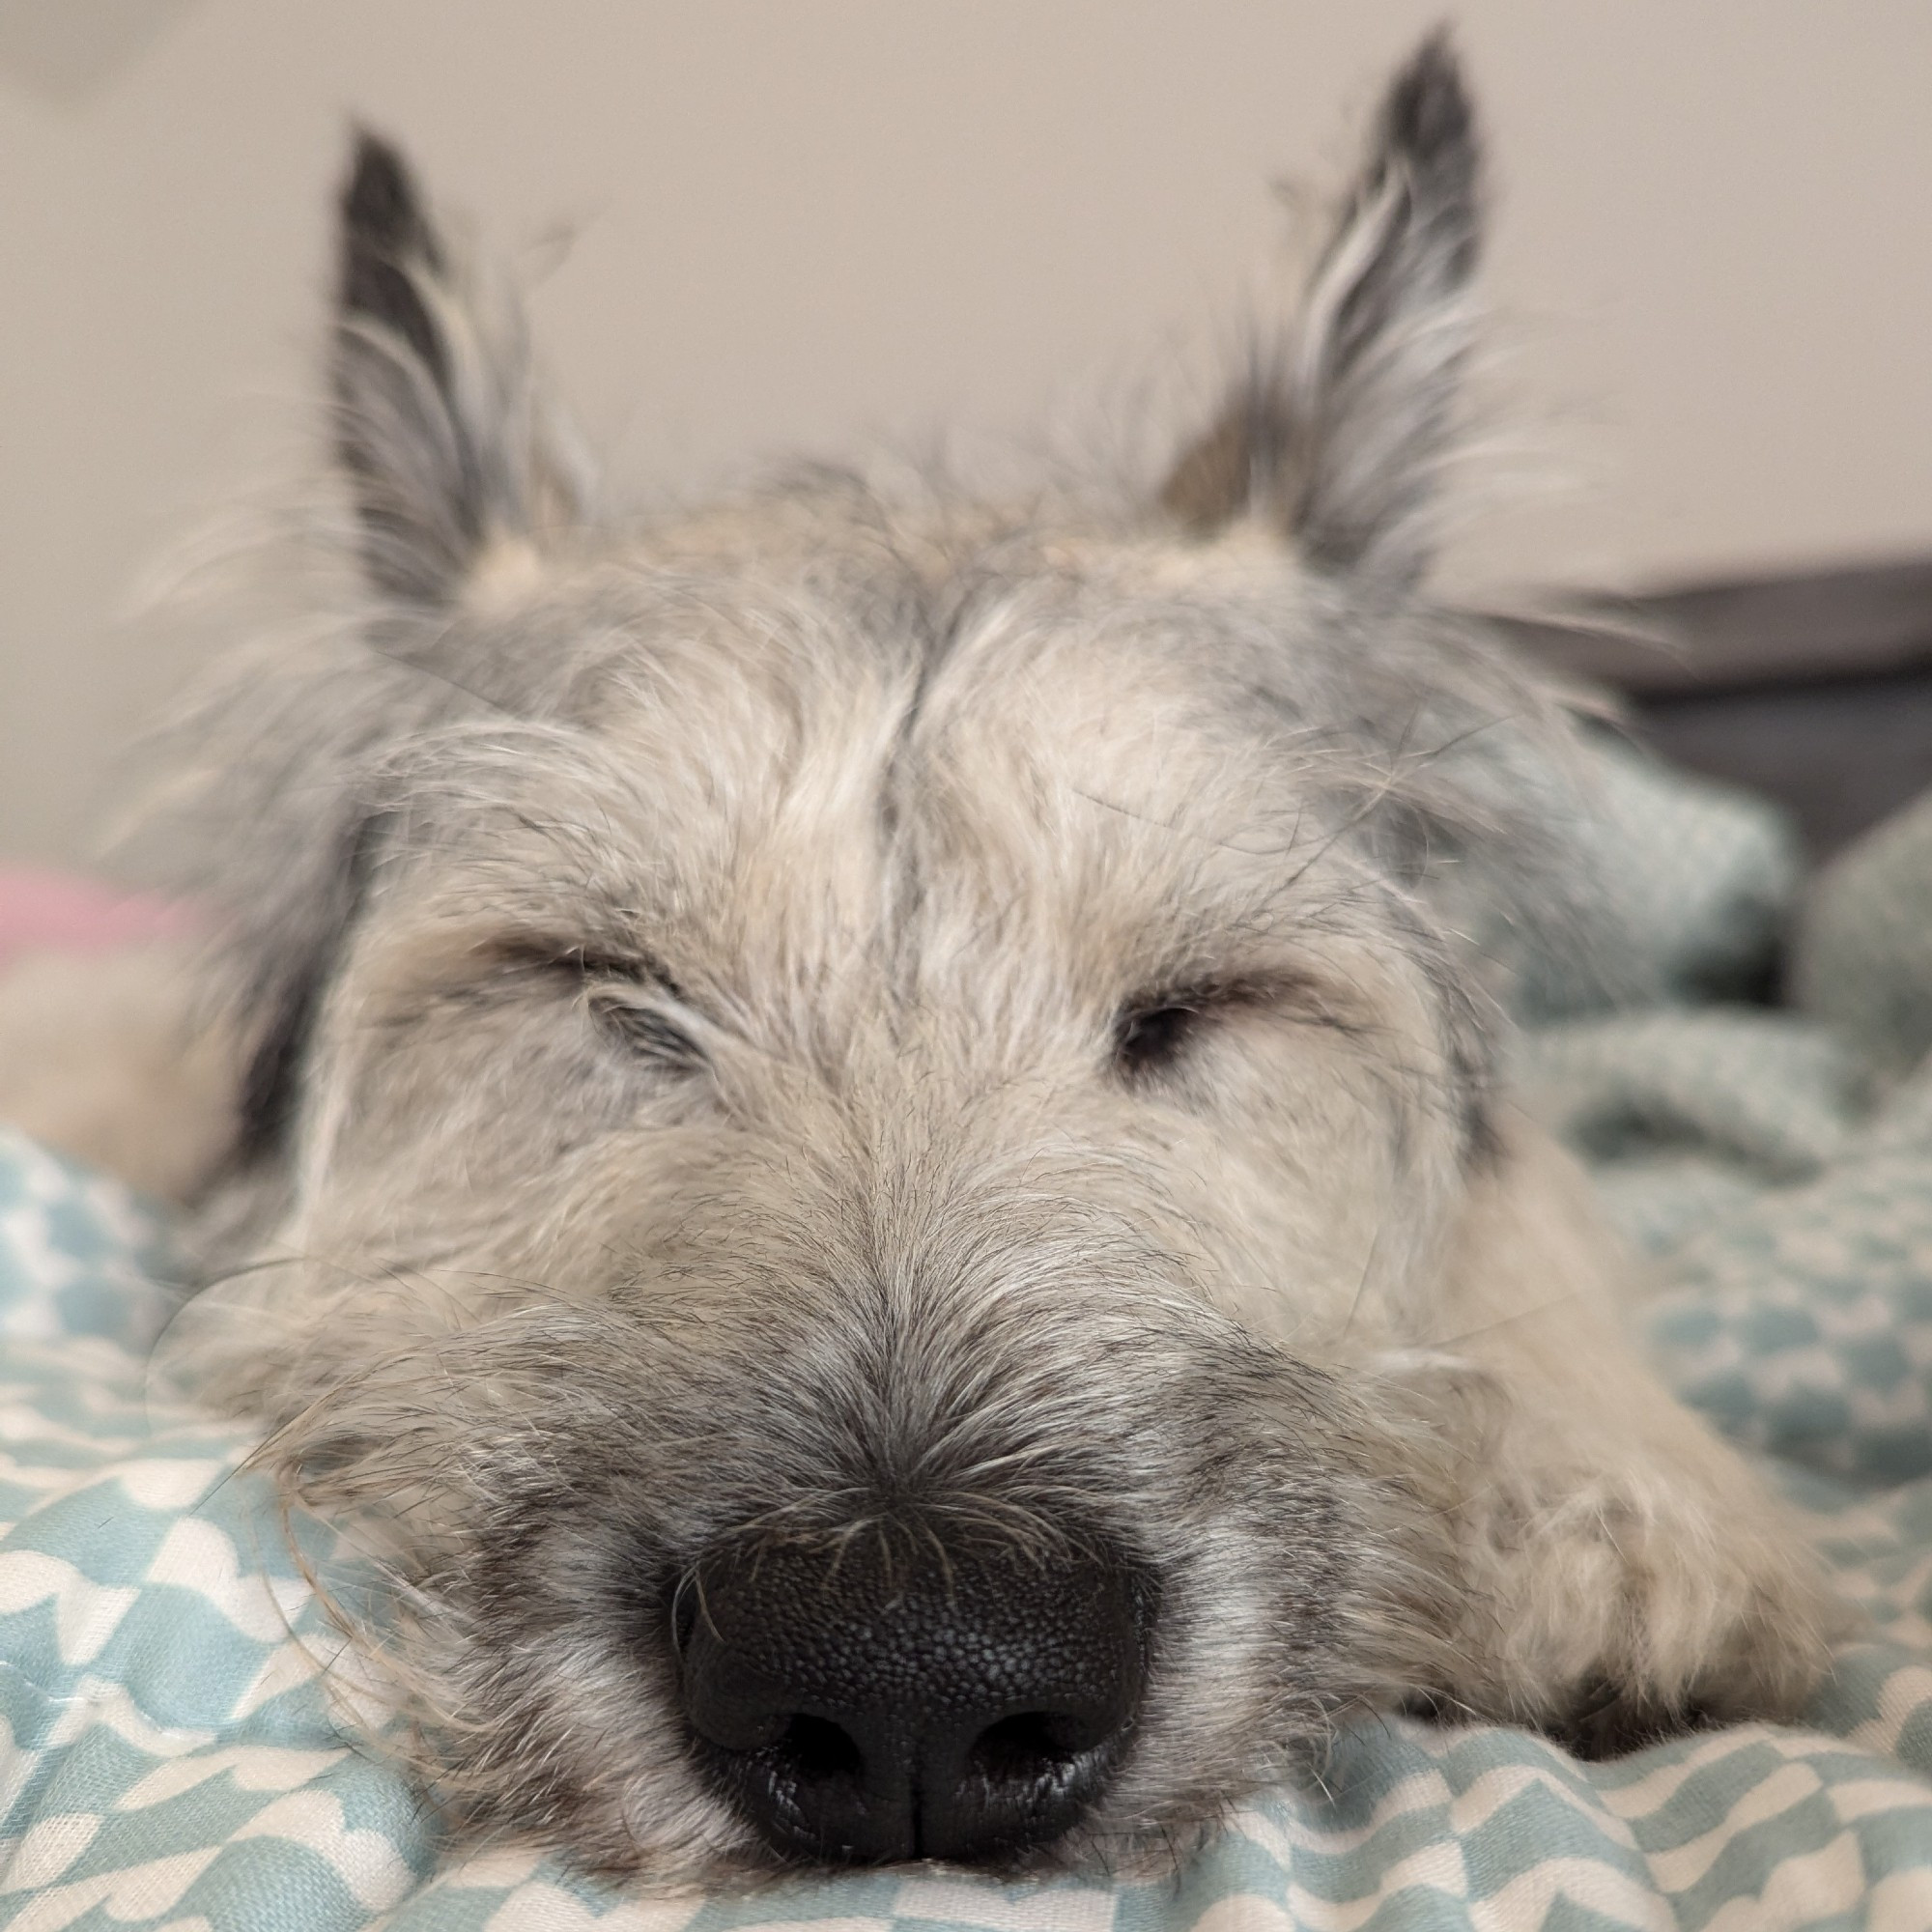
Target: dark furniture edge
(1742,633)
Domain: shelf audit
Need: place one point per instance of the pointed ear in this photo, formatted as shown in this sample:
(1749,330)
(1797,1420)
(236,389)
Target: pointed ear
(438,429)
(1340,442)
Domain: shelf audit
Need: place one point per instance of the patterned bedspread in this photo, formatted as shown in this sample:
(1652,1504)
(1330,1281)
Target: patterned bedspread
(169,1754)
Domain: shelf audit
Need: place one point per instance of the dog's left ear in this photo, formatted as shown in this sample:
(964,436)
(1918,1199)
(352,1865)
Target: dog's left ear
(1340,446)
(439,431)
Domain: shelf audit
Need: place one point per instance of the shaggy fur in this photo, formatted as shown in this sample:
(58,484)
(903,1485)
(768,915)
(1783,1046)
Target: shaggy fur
(855,1017)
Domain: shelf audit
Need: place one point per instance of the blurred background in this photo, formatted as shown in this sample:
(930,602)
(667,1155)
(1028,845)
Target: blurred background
(753,226)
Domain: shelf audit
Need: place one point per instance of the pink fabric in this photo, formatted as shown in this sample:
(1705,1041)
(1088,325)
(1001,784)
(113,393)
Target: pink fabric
(61,912)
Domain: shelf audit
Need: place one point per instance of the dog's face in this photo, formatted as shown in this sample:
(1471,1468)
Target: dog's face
(824,1099)
(865,1102)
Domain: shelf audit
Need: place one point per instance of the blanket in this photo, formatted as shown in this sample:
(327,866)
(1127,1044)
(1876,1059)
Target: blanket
(172,1754)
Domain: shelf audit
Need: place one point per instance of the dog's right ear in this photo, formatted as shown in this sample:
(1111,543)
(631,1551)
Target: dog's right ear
(439,429)
(1339,446)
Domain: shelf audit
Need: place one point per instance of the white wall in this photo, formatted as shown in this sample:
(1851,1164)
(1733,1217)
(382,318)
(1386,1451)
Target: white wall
(810,221)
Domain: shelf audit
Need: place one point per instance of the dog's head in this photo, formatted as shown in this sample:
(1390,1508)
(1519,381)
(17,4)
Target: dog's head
(852,1094)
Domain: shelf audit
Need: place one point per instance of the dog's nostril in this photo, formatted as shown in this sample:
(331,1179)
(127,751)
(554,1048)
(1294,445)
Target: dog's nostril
(818,1751)
(866,1705)
(1031,1744)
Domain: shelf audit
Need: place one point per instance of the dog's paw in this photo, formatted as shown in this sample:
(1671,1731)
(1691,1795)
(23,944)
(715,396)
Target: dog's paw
(1625,1608)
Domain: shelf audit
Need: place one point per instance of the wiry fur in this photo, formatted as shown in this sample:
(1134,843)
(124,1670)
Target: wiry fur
(848,1016)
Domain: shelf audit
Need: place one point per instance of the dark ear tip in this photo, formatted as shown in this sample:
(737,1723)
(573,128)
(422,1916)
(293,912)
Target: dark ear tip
(1429,117)
(381,206)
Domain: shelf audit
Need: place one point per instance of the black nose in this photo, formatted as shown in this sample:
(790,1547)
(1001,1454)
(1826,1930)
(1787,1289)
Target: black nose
(873,1703)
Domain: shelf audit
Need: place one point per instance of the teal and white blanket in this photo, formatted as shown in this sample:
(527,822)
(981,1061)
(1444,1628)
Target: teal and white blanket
(169,1754)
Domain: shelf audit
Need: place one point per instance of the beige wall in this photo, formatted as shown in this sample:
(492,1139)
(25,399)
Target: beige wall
(808,221)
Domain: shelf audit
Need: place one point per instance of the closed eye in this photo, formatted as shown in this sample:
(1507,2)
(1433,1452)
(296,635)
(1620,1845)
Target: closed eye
(632,998)
(645,1030)
(1149,1036)
(1154,1033)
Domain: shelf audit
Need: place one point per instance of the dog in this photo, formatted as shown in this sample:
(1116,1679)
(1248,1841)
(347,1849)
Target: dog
(867,1152)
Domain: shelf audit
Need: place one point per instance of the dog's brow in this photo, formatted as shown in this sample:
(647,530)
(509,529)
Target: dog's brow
(555,894)
(541,948)
(1174,824)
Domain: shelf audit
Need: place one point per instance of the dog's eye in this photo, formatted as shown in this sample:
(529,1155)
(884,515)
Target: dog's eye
(1155,1033)
(652,1034)
(625,997)
(1150,1035)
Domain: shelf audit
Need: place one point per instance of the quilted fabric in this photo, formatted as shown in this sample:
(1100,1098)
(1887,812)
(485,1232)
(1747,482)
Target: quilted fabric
(172,1756)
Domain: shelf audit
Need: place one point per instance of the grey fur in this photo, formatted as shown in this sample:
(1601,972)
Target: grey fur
(1341,440)
(701,981)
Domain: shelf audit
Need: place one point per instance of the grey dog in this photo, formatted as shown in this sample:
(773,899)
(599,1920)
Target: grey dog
(867,1158)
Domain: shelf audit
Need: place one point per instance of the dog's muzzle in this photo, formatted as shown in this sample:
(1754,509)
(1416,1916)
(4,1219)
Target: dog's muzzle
(867,1704)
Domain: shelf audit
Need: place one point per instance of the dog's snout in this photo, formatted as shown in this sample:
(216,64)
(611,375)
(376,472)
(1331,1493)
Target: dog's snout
(873,1705)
